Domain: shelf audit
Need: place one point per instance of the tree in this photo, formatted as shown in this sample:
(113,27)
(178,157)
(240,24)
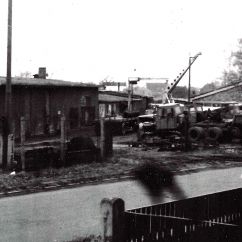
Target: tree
(210,87)
(180,92)
(230,77)
(143,91)
(234,74)
(25,74)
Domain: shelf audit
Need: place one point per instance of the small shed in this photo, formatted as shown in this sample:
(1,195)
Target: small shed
(116,103)
(43,101)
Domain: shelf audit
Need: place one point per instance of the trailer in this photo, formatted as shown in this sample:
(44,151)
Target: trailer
(212,131)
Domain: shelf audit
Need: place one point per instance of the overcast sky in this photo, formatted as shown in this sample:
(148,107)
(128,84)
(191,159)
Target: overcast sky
(89,40)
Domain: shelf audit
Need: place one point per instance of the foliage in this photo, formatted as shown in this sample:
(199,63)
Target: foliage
(234,74)
(180,92)
(143,91)
(210,87)
(229,77)
(25,74)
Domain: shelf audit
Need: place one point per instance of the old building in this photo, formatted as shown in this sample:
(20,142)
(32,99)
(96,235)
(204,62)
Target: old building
(116,103)
(231,93)
(43,101)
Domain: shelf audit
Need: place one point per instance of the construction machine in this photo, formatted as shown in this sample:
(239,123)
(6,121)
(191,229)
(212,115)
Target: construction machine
(217,125)
(167,122)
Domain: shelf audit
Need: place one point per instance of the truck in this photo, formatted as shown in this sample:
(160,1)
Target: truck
(167,123)
(124,124)
(164,127)
(220,125)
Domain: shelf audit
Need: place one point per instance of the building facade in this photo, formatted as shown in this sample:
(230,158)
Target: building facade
(42,102)
(116,103)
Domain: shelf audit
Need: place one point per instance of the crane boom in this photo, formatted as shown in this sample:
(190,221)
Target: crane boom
(172,85)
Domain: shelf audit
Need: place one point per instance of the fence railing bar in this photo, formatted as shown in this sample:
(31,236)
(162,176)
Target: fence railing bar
(183,219)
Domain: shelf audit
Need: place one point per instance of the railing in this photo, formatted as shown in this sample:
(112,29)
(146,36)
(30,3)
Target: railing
(221,207)
(210,218)
(140,227)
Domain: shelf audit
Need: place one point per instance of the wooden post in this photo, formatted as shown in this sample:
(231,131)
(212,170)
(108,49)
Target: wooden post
(129,98)
(22,140)
(10,154)
(102,137)
(8,92)
(108,139)
(62,140)
(1,149)
(112,219)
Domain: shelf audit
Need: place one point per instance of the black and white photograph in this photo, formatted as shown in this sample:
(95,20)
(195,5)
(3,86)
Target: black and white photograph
(120,121)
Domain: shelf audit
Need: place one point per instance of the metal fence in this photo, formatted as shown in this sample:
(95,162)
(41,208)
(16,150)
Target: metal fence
(210,218)
(214,217)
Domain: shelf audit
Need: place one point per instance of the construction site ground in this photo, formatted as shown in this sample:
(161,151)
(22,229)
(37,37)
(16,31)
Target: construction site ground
(120,166)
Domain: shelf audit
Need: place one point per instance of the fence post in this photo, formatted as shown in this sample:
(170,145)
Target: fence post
(102,137)
(1,149)
(108,139)
(62,140)
(112,219)
(22,140)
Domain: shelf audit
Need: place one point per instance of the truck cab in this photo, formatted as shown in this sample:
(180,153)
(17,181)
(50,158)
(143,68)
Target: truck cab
(169,116)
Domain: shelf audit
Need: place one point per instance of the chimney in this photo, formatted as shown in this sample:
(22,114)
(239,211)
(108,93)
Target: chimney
(42,73)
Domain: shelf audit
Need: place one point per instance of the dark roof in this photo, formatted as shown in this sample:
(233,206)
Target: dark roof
(112,96)
(120,94)
(221,89)
(21,81)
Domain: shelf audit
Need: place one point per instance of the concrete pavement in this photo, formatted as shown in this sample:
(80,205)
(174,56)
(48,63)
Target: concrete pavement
(63,214)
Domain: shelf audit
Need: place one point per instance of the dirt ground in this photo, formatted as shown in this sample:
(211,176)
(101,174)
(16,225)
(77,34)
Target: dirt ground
(124,160)
(200,157)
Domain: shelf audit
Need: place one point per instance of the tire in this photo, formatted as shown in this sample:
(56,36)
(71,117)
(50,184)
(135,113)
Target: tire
(195,133)
(215,133)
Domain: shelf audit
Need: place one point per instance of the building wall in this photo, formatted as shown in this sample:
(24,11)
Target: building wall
(118,108)
(234,94)
(42,108)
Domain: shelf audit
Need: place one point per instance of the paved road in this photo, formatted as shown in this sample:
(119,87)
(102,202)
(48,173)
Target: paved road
(60,215)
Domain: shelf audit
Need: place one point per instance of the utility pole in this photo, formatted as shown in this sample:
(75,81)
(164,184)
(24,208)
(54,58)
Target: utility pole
(8,89)
(189,82)
(131,82)
(129,97)
(187,115)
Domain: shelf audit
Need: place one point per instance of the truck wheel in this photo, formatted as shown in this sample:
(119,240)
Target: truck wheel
(236,132)
(195,133)
(214,133)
